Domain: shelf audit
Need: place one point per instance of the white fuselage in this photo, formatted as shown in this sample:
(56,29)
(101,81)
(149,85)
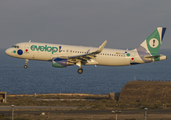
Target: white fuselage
(45,52)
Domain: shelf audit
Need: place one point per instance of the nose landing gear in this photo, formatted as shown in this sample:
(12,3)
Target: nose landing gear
(25,66)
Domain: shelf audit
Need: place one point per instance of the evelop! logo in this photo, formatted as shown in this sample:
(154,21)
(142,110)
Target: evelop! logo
(44,48)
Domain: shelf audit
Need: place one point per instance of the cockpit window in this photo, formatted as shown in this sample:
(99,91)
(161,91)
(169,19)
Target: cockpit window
(15,46)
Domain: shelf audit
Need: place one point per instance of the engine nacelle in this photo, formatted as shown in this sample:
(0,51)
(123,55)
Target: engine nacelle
(60,63)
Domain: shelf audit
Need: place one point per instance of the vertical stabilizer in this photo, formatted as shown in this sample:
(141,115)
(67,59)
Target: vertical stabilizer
(151,45)
(153,42)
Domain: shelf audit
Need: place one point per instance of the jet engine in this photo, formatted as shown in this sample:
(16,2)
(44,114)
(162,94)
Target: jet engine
(60,63)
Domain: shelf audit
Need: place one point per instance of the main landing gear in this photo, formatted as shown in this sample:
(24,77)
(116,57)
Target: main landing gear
(25,66)
(80,70)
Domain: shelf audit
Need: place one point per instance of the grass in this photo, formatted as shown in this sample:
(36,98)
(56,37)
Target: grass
(14,119)
(73,97)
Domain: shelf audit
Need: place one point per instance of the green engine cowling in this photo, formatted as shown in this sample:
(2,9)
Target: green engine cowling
(60,63)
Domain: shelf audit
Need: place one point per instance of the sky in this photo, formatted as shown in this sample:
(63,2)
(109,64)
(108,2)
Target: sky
(123,23)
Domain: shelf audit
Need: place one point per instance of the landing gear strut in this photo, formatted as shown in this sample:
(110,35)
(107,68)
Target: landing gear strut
(80,70)
(25,66)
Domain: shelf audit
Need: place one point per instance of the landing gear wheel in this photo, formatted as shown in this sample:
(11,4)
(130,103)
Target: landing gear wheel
(80,70)
(25,66)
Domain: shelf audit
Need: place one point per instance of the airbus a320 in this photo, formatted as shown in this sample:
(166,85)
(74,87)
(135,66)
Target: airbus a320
(68,55)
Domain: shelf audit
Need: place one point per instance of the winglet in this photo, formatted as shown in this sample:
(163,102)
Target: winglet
(102,46)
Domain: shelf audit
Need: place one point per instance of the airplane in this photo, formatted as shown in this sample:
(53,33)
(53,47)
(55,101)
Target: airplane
(67,55)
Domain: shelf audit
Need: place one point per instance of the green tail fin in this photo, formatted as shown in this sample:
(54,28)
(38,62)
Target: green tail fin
(153,42)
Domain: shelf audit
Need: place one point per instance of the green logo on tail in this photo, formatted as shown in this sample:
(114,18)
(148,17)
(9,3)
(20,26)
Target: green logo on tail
(153,44)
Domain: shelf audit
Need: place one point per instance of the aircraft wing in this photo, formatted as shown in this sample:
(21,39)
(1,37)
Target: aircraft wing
(85,57)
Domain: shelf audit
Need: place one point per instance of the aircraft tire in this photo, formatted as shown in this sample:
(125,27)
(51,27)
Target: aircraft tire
(25,66)
(80,70)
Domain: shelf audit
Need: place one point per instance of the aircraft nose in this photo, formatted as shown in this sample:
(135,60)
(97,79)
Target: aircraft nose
(7,51)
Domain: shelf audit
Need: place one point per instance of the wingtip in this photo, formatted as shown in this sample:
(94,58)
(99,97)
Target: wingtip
(104,42)
(102,46)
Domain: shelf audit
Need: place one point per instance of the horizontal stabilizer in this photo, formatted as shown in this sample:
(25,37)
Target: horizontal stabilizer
(156,57)
(149,56)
